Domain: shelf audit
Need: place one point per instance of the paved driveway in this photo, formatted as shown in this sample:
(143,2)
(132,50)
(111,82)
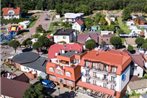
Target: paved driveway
(41,21)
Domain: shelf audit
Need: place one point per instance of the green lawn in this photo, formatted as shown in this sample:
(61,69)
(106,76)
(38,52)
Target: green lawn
(32,24)
(123,26)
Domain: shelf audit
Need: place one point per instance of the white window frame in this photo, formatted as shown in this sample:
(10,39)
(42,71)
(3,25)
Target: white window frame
(68,74)
(51,69)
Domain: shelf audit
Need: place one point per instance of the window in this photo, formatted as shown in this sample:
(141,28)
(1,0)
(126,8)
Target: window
(94,82)
(59,72)
(64,37)
(51,69)
(112,78)
(95,65)
(87,79)
(112,87)
(104,84)
(87,63)
(68,74)
(94,74)
(113,69)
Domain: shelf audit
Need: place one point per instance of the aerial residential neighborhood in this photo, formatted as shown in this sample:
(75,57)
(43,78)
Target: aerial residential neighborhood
(73,49)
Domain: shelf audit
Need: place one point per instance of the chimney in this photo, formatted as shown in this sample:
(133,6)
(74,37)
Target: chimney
(97,53)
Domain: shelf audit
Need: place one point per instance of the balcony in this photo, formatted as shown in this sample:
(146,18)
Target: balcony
(96,88)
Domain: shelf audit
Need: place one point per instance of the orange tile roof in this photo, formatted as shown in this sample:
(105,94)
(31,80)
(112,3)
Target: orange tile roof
(116,58)
(16,10)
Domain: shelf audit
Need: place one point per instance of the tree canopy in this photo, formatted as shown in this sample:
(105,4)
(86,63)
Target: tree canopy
(139,41)
(35,91)
(15,44)
(144,46)
(116,42)
(86,6)
(90,44)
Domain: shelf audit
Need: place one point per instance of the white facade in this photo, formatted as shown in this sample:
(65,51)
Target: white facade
(34,71)
(138,71)
(117,84)
(62,38)
(120,84)
(77,27)
(107,32)
(11,17)
(71,17)
(140,91)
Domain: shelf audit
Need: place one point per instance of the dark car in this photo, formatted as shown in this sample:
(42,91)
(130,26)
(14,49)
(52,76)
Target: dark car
(48,84)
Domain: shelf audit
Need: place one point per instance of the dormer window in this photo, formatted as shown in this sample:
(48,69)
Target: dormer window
(68,74)
(11,12)
(51,69)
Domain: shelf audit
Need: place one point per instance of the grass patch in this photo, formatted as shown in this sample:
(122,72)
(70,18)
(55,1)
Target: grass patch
(123,26)
(32,24)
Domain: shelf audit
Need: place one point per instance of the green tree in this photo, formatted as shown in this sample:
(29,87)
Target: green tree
(90,44)
(88,22)
(103,21)
(83,9)
(25,42)
(130,49)
(116,42)
(144,46)
(97,18)
(126,14)
(45,41)
(40,29)
(139,41)
(15,44)
(29,43)
(37,46)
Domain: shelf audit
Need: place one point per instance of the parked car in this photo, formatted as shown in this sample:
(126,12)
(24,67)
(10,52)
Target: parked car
(48,84)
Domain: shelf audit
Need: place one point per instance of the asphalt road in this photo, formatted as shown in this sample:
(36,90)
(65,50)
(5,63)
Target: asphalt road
(41,21)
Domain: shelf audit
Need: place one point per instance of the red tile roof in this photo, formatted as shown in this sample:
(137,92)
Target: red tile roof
(138,59)
(57,47)
(96,88)
(16,10)
(116,58)
(80,22)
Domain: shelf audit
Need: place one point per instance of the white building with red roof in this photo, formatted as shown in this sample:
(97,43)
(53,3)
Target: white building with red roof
(11,13)
(78,25)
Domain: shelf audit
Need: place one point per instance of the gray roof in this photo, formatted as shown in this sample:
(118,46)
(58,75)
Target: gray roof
(39,64)
(31,60)
(139,84)
(69,53)
(25,57)
(64,32)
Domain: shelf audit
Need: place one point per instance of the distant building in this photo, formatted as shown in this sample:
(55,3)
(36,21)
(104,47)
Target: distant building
(82,38)
(71,17)
(138,65)
(105,38)
(12,88)
(140,20)
(139,86)
(11,13)
(78,25)
(65,36)
(31,63)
